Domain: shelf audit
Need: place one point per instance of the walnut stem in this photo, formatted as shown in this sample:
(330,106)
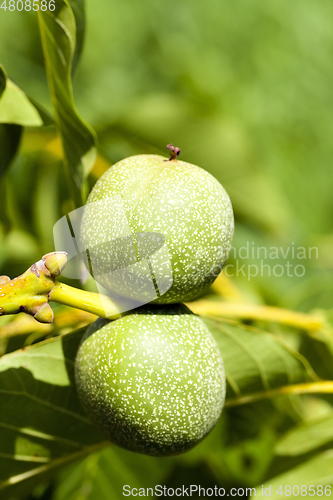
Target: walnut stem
(174,152)
(31,292)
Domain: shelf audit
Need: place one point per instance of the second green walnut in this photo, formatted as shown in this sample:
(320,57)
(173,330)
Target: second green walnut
(153,381)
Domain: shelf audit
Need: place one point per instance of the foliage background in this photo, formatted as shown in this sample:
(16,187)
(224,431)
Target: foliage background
(244,89)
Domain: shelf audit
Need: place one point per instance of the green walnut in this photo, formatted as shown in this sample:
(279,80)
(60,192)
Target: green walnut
(157,230)
(153,382)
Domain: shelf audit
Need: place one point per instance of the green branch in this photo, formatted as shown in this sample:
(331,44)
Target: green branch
(240,311)
(322,387)
(31,292)
(86,301)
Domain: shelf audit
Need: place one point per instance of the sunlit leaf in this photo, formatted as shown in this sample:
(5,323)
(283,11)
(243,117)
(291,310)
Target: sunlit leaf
(3,78)
(10,136)
(78,8)
(16,111)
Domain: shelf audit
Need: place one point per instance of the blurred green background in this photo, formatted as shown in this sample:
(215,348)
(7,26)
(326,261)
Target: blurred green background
(245,90)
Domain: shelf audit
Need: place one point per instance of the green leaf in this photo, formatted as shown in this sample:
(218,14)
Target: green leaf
(315,472)
(16,111)
(42,427)
(103,475)
(307,436)
(59,41)
(15,106)
(80,21)
(256,362)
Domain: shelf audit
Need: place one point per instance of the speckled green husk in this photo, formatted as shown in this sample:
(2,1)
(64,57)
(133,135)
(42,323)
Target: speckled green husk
(181,201)
(153,382)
